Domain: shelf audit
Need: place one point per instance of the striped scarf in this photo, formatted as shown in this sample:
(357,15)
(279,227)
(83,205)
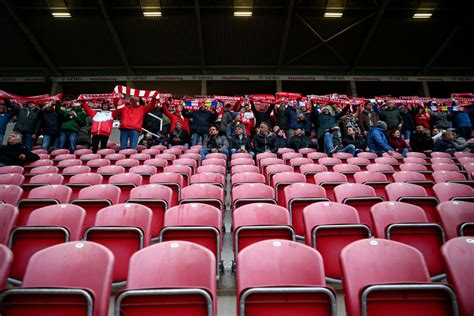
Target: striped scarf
(137,93)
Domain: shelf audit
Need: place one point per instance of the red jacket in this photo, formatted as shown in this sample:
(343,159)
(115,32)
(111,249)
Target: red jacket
(102,122)
(175,118)
(132,118)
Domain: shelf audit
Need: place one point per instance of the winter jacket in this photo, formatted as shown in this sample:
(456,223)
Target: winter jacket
(398,144)
(237,142)
(150,123)
(367,120)
(282,119)
(202,120)
(51,120)
(460,144)
(423,119)
(84,136)
(132,117)
(377,141)
(73,124)
(327,121)
(176,118)
(291,114)
(262,116)
(226,119)
(9,155)
(262,143)
(102,121)
(7,116)
(440,120)
(28,121)
(182,135)
(408,122)
(421,142)
(221,142)
(358,141)
(462,119)
(392,118)
(297,143)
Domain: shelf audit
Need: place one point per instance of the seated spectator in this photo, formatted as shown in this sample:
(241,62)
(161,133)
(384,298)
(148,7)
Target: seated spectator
(354,138)
(420,141)
(397,143)
(214,143)
(335,144)
(14,153)
(264,140)
(436,134)
(239,143)
(148,140)
(377,141)
(179,136)
(299,140)
(281,140)
(460,143)
(444,143)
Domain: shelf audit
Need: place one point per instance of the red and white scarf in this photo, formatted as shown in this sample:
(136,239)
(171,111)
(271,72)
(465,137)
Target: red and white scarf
(137,93)
(36,99)
(101,96)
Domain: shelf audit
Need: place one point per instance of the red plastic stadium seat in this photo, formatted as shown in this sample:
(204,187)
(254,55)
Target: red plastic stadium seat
(310,170)
(95,164)
(398,282)
(107,171)
(417,160)
(73,277)
(214,161)
(342,156)
(187,162)
(68,163)
(242,161)
(124,229)
(11,169)
(195,222)
(362,197)
(57,152)
(453,192)
(127,163)
(203,193)
(171,180)
(158,198)
(294,286)
(63,157)
(265,162)
(149,291)
(414,177)
(436,154)
(297,163)
(376,180)
(80,152)
(299,195)
(158,163)
(306,151)
(8,218)
(395,155)
(42,196)
(367,155)
(82,180)
(46,226)
(413,154)
(457,218)
(359,161)
(348,170)
(329,227)
(12,178)
(247,177)
(216,156)
(185,171)
(114,157)
(42,170)
(194,156)
(416,167)
(444,167)
(329,180)
(259,221)
(386,169)
(6,259)
(95,198)
(243,168)
(88,157)
(451,176)
(106,151)
(288,156)
(126,182)
(241,155)
(330,162)
(285,150)
(316,156)
(212,168)
(457,255)
(146,171)
(159,147)
(211,178)
(252,193)
(10,194)
(272,170)
(413,194)
(140,157)
(442,160)
(261,156)
(37,163)
(150,151)
(282,180)
(128,152)
(407,223)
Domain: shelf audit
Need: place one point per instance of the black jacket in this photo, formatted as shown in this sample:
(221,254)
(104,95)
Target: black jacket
(28,121)
(236,143)
(262,142)
(359,142)
(51,120)
(421,142)
(297,143)
(9,155)
(179,137)
(202,120)
(262,116)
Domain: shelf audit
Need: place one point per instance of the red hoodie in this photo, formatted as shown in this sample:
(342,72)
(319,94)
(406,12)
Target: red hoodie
(175,118)
(102,121)
(132,117)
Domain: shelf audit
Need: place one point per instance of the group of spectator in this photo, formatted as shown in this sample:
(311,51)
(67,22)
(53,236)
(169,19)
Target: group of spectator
(250,128)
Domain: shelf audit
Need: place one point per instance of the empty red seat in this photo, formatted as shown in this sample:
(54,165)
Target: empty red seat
(398,282)
(94,198)
(298,162)
(247,193)
(407,223)
(87,157)
(447,160)
(8,218)
(198,223)
(241,155)
(183,170)
(59,152)
(63,157)
(282,180)
(94,164)
(376,180)
(362,197)
(126,182)
(128,151)
(82,180)
(114,157)
(6,259)
(272,170)
(158,163)
(242,161)
(105,151)
(417,160)
(11,169)
(247,177)
(10,194)
(359,161)
(151,151)
(285,150)
(329,180)
(310,170)
(146,171)
(159,147)
(294,286)
(444,166)
(149,291)
(214,161)
(436,154)
(243,168)
(187,162)
(194,156)
(261,156)
(386,169)
(348,170)
(414,154)
(46,226)
(330,162)
(127,163)
(414,177)
(12,178)
(453,192)
(140,157)
(80,152)
(124,229)
(172,180)
(367,155)
(395,155)
(306,151)
(37,163)
(316,156)
(216,156)
(329,227)
(449,176)
(68,163)
(64,291)
(203,193)
(457,218)
(42,170)
(288,156)
(342,155)
(265,162)
(299,195)
(457,255)
(212,168)
(210,177)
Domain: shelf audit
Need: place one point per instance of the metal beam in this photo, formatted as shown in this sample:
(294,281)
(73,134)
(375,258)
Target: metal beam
(200,36)
(115,38)
(378,17)
(31,38)
(441,48)
(286,32)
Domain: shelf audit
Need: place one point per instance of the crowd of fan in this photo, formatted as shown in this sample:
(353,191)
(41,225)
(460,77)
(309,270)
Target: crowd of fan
(329,128)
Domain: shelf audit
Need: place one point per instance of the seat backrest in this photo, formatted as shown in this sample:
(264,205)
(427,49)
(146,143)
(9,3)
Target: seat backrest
(241,155)
(436,154)
(87,157)
(303,191)
(80,152)
(346,168)
(157,162)
(447,191)
(400,189)
(6,259)
(388,262)
(316,155)
(270,161)
(12,178)
(141,156)
(8,217)
(166,156)
(202,191)
(445,176)
(288,156)
(214,161)
(167,177)
(110,170)
(152,192)
(359,161)
(253,191)
(39,163)
(328,161)
(323,177)
(342,155)
(285,150)
(211,177)
(247,177)
(44,169)
(216,155)
(300,161)
(114,157)
(381,167)
(352,190)
(413,167)
(457,255)
(417,160)
(261,156)
(274,169)
(243,168)
(100,192)
(444,166)
(367,155)
(105,151)
(406,176)
(212,168)
(453,214)
(63,215)
(369,176)
(10,194)
(305,151)
(11,169)
(76,170)
(86,178)
(242,161)
(127,163)
(143,170)
(77,264)
(441,160)
(384,214)
(126,178)
(193,214)
(96,163)
(58,192)
(128,151)
(260,214)
(313,168)
(414,154)
(69,162)
(288,177)
(47,178)
(186,162)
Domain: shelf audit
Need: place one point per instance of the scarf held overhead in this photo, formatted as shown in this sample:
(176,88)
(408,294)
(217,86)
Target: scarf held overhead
(137,93)
(36,99)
